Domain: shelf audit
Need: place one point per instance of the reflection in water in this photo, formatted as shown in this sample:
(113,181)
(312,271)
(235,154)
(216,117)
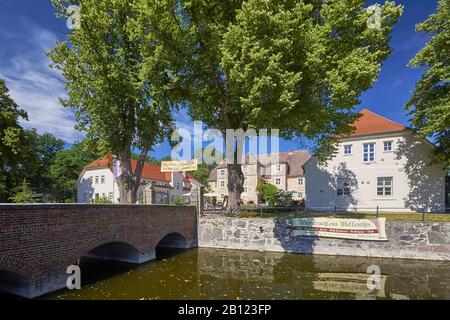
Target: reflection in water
(232,274)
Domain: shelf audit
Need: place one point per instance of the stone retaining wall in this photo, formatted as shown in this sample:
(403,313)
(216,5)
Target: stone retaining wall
(407,240)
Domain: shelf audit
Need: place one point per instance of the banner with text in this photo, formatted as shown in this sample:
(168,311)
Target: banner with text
(356,229)
(177,166)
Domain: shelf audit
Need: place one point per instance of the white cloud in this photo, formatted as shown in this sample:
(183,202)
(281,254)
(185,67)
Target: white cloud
(33,84)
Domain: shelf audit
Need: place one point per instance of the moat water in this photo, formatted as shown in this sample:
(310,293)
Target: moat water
(232,274)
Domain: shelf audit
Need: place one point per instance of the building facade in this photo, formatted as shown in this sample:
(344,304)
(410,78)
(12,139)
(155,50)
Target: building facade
(97,181)
(284,170)
(382,164)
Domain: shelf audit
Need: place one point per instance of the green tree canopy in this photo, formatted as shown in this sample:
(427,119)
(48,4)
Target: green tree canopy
(298,66)
(429,104)
(65,171)
(24,194)
(10,129)
(11,139)
(269,193)
(102,64)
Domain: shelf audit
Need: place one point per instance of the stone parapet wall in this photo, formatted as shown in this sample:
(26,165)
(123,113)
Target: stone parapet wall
(406,240)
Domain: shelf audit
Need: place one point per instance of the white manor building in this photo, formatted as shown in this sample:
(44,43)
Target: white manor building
(97,181)
(382,164)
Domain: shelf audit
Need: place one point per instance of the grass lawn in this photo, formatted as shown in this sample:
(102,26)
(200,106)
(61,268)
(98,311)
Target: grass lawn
(438,217)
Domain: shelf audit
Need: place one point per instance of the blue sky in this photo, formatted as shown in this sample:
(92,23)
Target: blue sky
(28,29)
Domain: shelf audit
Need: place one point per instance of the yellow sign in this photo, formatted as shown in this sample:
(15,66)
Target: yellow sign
(180,165)
(356,229)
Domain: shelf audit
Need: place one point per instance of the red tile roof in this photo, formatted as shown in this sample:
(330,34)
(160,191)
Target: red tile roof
(189,177)
(150,171)
(371,123)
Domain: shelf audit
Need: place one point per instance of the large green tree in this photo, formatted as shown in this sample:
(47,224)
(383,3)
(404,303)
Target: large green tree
(12,140)
(298,66)
(429,104)
(66,168)
(101,62)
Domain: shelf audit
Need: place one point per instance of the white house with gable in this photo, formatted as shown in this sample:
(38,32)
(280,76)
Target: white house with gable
(97,181)
(382,164)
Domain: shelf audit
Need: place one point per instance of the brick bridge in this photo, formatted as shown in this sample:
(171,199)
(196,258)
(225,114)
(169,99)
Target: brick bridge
(39,242)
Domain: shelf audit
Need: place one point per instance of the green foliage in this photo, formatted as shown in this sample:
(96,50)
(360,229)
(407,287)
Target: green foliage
(101,200)
(24,154)
(65,170)
(177,202)
(10,130)
(102,65)
(269,193)
(11,141)
(429,104)
(293,65)
(204,169)
(24,194)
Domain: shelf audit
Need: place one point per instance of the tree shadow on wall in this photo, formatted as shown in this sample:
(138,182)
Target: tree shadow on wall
(87,191)
(339,177)
(426,183)
(344,179)
(322,189)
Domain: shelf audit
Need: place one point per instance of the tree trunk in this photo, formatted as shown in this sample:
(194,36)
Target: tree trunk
(129,181)
(235,188)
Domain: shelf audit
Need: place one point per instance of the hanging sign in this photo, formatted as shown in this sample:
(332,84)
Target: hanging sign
(356,229)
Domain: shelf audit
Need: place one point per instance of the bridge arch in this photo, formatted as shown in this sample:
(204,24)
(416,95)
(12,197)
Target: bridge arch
(18,267)
(15,276)
(172,240)
(107,248)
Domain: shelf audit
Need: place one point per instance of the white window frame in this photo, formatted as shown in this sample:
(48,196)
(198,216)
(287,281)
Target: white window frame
(391,144)
(222,172)
(222,184)
(278,181)
(344,188)
(96,179)
(300,181)
(345,149)
(245,190)
(102,179)
(369,152)
(384,186)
